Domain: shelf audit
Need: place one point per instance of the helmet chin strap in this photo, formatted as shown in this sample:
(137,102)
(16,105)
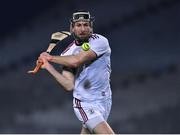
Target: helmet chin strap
(80,41)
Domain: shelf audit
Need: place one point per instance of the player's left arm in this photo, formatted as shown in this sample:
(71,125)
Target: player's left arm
(72,61)
(65,79)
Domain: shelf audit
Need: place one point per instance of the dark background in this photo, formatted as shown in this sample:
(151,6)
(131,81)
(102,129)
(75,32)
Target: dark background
(144,36)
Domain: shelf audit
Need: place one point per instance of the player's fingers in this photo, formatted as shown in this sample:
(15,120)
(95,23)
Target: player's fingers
(39,60)
(45,64)
(42,60)
(46,56)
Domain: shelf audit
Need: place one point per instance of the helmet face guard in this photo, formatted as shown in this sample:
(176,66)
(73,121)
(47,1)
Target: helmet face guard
(82,16)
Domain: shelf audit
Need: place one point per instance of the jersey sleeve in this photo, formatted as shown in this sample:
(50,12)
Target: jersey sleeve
(99,45)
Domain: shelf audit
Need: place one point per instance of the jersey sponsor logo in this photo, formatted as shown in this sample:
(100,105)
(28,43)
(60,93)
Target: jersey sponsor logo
(87,84)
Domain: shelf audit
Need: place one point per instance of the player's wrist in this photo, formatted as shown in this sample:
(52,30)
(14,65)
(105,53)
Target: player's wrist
(51,58)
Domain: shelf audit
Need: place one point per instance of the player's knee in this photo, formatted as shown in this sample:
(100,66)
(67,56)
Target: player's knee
(103,128)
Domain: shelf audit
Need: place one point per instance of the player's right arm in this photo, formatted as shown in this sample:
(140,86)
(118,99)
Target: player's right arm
(66,79)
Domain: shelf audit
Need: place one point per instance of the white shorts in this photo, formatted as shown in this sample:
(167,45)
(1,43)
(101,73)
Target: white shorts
(92,113)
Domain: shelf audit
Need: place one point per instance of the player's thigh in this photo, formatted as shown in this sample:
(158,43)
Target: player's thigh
(103,128)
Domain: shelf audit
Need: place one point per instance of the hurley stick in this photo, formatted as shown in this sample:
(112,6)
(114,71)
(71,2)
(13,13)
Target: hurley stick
(55,38)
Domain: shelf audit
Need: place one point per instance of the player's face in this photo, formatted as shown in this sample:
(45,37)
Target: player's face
(82,29)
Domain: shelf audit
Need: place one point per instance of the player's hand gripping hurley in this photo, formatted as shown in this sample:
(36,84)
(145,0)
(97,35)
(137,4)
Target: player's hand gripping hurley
(58,37)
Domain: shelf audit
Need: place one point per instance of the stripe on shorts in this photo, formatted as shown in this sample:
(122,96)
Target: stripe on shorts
(82,112)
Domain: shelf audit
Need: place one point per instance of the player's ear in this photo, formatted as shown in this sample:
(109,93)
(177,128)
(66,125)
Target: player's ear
(71,28)
(91,25)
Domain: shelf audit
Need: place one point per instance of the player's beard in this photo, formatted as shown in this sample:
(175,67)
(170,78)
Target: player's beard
(82,39)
